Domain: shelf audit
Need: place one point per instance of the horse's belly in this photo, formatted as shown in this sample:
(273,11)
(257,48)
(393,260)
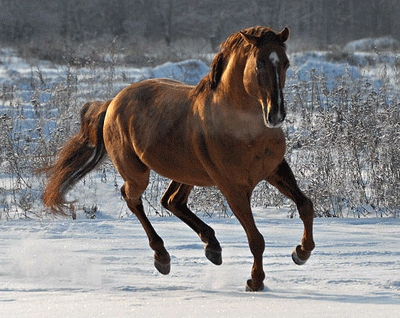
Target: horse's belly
(181,167)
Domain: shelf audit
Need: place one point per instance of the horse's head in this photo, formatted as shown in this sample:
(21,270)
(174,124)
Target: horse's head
(265,73)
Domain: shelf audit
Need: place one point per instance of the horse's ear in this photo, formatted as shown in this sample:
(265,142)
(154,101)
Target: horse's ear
(284,34)
(250,39)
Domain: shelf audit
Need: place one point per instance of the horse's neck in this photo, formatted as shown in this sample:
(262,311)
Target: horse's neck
(232,77)
(231,108)
(230,91)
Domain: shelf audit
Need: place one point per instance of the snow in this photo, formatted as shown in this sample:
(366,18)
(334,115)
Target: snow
(372,44)
(103,268)
(331,72)
(189,71)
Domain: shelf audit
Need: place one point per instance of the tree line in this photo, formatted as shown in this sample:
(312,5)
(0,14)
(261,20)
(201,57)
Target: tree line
(314,23)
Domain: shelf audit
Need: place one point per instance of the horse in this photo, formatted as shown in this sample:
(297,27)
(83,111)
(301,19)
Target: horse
(224,132)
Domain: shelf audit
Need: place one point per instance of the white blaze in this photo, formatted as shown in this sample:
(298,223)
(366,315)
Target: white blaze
(274,58)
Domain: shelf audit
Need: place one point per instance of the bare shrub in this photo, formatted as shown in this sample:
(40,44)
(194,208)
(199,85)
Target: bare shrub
(345,146)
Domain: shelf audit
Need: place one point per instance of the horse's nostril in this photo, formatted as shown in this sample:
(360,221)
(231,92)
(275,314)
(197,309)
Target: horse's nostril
(276,120)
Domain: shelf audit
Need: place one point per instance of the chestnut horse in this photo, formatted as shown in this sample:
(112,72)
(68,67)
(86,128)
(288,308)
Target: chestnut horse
(224,132)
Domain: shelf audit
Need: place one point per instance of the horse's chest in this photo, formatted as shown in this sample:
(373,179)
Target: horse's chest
(255,155)
(267,155)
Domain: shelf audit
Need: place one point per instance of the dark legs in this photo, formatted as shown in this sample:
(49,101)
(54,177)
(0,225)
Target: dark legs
(175,200)
(284,180)
(136,177)
(239,201)
(161,256)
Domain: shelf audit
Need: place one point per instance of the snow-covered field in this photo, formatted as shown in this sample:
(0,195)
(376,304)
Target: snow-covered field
(104,268)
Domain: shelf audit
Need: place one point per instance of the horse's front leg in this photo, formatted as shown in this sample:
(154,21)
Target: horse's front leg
(284,180)
(239,201)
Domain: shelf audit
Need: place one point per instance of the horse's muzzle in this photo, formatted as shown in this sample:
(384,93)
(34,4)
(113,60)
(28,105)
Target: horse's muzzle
(274,116)
(276,120)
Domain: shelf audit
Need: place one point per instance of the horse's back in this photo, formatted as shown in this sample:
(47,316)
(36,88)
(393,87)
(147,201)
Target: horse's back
(151,108)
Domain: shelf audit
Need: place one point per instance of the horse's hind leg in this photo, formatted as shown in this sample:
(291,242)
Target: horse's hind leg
(136,176)
(161,256)
(284,180)
(175,200)
(134,202)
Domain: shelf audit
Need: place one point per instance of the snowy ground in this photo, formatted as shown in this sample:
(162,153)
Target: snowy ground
(103,268)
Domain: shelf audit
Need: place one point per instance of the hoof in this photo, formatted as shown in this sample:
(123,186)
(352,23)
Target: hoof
(250,287)
(162,268)
(215,256)
(295,257)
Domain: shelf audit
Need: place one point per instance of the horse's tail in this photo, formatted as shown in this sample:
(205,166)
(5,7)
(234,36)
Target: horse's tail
(79,156)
